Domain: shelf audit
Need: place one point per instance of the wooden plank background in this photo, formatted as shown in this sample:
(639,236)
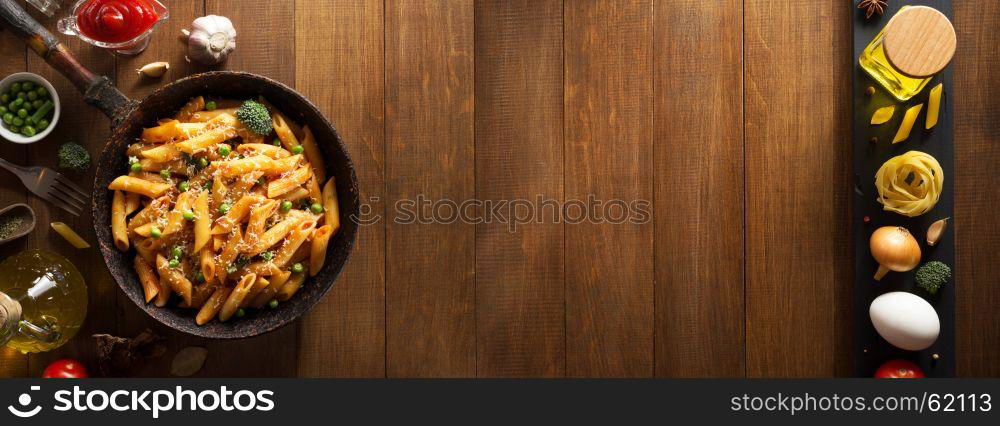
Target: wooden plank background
(730,118)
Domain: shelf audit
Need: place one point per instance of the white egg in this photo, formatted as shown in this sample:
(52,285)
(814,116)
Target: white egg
(905,320)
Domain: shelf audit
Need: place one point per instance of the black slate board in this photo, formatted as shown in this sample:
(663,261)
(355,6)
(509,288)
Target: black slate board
(870,349)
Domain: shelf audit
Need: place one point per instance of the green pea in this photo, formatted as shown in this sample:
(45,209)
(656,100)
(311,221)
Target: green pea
(210,106)
(316,208)
(176,252)
(42,124)
(224,208)
(184,186)
(272,304)
(27,85)
(18,121)
(17,103)
(155,232)
(32,96)
(165,174)
(22,113)
(135,167)
(297,149)
(286,206)
(8,118)
(174,263)
(298,268)
(42,91)
(15,129)
(13,105)
(224,150)
(276,142)
(28,106)
(202,162)
(240,313)
(37,103)
(3,110)
(28,131)
(5,98)
(22,96)
(16,87)
(188,215)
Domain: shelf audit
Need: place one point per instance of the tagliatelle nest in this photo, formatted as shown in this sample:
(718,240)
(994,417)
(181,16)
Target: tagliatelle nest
(910,184)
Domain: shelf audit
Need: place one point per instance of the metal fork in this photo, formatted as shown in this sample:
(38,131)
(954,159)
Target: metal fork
(50,186)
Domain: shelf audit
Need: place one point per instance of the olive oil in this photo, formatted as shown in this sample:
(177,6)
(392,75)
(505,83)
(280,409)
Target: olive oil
(874,61)
(43,301)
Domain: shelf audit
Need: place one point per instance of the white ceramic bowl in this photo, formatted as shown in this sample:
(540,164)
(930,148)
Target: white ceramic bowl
(37,79)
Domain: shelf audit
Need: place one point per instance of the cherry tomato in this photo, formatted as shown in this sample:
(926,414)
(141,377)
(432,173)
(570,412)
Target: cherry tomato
(899,369)
(65,369)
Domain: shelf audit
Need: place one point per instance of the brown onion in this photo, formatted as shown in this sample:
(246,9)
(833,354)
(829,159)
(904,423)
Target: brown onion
(895,249)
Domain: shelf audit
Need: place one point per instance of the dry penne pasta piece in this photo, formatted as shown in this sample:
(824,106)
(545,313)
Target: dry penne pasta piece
(273,235)
(313,155)
(290,287)
(236,214)
(259,214)
(212,305)
(275,152)
(202,221)
(317,253)
(174,279)
(150,282)
(302,231)
(280,186)
(331,206)
(69,234)
(236,297)
(139,186)
(228,254)
(206,261)
(277,281)
(119,230)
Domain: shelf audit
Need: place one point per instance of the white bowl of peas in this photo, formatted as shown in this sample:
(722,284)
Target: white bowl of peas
(29,107)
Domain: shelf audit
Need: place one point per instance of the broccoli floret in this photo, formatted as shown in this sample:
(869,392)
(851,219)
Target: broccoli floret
(74,157)
(932,275)
(255,117)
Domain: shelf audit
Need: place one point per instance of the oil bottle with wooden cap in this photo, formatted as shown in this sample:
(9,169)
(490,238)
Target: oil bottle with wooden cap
(917,43)
(43,301)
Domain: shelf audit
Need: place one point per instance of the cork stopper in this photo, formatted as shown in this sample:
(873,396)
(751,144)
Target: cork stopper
(10,315)
(920,41)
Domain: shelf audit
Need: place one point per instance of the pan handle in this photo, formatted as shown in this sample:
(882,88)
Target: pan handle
(97,90)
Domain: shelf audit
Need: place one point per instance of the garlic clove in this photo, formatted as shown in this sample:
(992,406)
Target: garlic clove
(936,230)
(154,69)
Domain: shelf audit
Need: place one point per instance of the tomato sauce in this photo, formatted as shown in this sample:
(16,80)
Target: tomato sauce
(115,21)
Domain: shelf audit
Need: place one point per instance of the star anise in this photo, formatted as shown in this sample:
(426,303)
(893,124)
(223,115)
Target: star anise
(872,6)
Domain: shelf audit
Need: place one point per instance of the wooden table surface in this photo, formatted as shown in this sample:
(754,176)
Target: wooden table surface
(732,117)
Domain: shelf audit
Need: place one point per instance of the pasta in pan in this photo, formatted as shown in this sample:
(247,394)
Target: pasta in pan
(910,184)
(224,218)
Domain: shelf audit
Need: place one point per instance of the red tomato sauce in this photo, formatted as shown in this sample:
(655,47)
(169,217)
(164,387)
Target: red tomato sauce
(115,21)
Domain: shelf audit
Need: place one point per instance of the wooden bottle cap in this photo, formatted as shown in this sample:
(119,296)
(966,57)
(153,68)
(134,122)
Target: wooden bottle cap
(919,41)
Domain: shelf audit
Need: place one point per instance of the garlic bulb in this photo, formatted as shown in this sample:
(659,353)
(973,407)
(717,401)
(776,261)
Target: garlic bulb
(210,39)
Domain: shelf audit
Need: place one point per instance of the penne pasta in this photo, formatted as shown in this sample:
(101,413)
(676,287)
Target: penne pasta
(207,263)
(119,230)
(296,194)
(202,221)
(273,235)
(258,286)
(162,153)
(290,287)
(259,214)
(281,186)
(317,251)
(139,186)
(277,281)
(284,132)
(236,297)
(236,214)
(150,282)
(132,203)
(331,206)
(302,232)
(242,166)
(228,254)
(313,155)
(70,235)
(174,279)
(194,105)
(212,306)
(274,152)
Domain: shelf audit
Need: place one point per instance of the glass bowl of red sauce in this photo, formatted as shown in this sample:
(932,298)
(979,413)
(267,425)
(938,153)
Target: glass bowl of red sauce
(122,26)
